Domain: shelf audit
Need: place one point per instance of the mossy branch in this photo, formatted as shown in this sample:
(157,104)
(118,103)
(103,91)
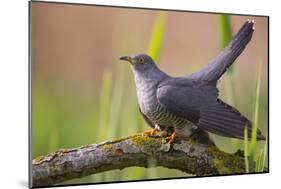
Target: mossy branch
(136,150)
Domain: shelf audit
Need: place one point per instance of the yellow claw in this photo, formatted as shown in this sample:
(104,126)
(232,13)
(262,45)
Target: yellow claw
(151,132)
(171,138)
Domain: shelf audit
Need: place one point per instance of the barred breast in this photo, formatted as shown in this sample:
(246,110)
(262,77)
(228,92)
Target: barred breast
(147,97)
(149,105)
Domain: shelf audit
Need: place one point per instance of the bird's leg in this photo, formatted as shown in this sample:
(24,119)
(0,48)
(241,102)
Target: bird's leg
(171,138)
(151,132)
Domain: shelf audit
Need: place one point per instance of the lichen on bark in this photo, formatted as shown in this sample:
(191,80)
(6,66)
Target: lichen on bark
(189,156)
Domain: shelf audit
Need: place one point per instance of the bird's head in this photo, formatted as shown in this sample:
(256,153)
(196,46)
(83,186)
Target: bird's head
(140,62)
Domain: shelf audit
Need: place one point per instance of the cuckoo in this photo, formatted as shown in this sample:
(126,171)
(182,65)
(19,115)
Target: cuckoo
(184,104)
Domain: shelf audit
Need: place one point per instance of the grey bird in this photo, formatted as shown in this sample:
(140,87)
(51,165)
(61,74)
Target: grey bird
(191,102)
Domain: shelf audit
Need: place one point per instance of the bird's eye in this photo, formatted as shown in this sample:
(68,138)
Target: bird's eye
(141,60)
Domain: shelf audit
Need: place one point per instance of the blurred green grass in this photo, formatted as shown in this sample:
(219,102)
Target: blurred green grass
(255,157)
(225,38)
(157,37)
(61,121)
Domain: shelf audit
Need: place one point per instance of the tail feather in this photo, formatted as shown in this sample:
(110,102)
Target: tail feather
(213,71)
(223,119)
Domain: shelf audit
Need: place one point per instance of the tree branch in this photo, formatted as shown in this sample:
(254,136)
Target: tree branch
(137,150)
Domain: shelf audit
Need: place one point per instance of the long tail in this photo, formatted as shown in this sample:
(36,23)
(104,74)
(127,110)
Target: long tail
(222,119)
(213,71)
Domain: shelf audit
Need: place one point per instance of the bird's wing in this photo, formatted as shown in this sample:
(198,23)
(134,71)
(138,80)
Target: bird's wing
(213,71)
(223,119)
(185,98)
(200,104)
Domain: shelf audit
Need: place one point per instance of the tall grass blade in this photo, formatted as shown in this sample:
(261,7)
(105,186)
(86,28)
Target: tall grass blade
(157,36)
(258,162)
(225,31)
(263,165)
(115,109)
(253,144)
(225,38)
(246,149)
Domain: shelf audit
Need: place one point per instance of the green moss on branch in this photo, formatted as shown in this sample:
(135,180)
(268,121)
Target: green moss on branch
(189,156)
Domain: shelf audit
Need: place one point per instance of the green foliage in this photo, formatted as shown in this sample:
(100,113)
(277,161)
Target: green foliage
(263,155)
(246,151)
(157,36)
(255,162)
(225,38)
(225,30)
(253,144)
(116,104)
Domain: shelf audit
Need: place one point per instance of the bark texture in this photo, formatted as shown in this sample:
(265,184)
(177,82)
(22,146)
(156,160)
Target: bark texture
(137,150)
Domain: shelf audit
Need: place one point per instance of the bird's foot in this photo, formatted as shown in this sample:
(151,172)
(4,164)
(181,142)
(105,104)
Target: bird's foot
(171,138)
(151,132)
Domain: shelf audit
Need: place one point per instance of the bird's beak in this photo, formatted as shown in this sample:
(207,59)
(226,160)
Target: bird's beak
(127,58)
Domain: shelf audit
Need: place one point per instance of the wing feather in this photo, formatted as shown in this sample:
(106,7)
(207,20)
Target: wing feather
(185,98)
(200,105)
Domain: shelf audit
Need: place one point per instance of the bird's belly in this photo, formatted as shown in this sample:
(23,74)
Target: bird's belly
(163,117)
(155,112)
(148,107)
(158,114)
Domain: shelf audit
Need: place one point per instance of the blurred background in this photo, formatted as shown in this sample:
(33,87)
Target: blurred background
(83,94)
